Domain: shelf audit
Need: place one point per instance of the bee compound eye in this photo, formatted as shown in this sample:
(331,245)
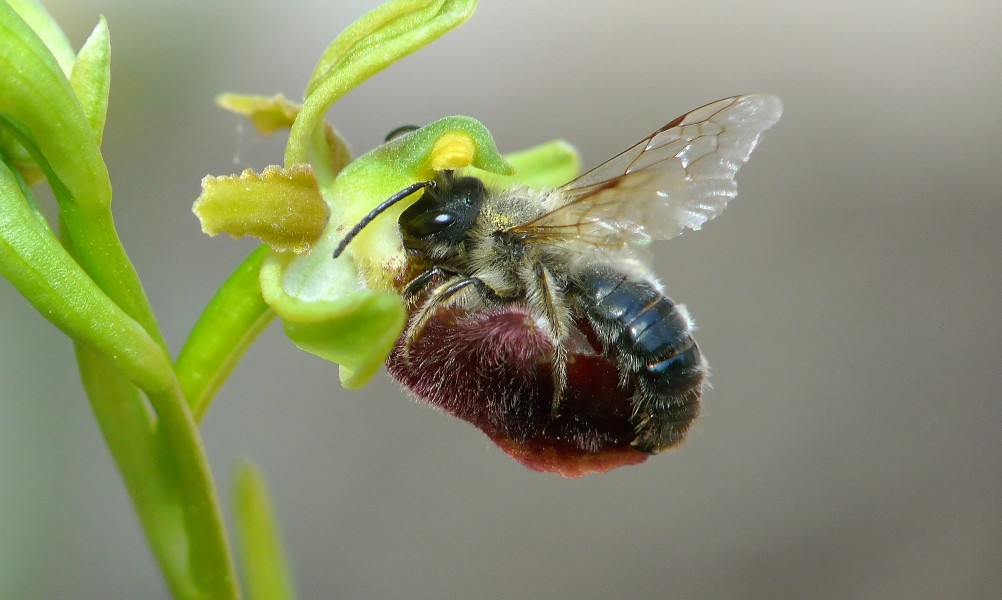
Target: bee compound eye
(430,223)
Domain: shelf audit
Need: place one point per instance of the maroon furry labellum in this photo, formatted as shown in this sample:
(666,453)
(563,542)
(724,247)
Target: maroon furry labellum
(492,369)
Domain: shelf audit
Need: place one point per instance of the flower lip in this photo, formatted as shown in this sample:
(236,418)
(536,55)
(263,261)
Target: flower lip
(491,368)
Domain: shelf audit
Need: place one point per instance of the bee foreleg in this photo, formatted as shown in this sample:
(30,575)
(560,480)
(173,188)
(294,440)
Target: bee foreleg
(546,298)
(417,284)
(441,297)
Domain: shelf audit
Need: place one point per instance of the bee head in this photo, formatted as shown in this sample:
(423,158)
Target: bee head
(443,214)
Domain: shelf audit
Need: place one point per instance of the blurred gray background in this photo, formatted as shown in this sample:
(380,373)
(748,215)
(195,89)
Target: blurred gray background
(849,303)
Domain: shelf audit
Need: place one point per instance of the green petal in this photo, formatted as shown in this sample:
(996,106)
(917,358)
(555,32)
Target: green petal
(268,114)
(547,165)
(280,206)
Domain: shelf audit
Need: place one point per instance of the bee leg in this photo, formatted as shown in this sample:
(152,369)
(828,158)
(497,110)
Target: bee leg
(441,297)
(411,290)
(559,379)
(414,287)
(548,299)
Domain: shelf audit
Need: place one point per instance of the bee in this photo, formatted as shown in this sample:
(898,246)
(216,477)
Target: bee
(572,259)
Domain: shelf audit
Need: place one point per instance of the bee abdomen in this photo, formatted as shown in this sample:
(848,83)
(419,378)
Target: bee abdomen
(651,340)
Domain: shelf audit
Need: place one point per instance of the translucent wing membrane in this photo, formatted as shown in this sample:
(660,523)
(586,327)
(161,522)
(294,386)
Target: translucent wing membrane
(677,178)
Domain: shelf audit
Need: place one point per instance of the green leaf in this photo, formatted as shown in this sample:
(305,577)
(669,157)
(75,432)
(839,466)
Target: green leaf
(91,78)
(48,30)
(209,558)
(39,267)
(40,110)
(199,558)
(265,571)
(37,95)
(114,345)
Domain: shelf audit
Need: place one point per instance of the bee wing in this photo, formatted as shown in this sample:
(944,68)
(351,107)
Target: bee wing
(675,179)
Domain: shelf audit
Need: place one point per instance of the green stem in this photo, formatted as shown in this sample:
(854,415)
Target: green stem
(230,323)
(209,556)
(129,430)
(37,265)
(170,481)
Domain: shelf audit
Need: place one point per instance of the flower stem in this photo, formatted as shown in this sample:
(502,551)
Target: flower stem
(129,430)
(168,478)
(209,556)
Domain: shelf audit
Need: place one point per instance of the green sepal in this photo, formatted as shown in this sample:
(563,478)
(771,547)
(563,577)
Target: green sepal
(403,25)
(370,44)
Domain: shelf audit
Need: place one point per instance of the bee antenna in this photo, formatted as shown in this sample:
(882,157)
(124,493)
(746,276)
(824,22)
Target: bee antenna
(407,191)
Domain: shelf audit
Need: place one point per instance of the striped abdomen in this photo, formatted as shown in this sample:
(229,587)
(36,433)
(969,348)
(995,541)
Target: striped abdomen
(650,338)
